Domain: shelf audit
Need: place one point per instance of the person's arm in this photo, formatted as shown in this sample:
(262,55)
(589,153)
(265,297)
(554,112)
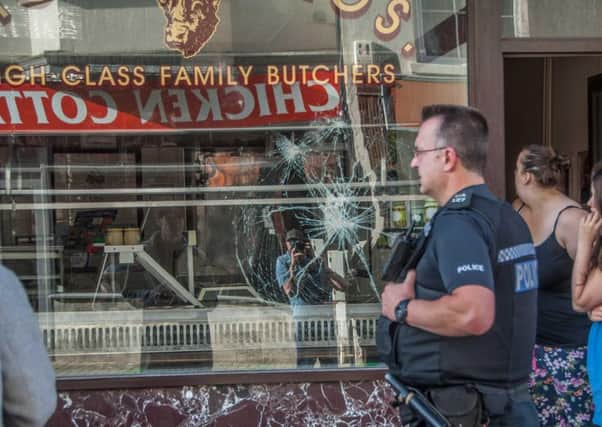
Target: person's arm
(336,281)
(586,284)
(469,310)
(595,315)
(28,382)
(285,273)
(588,296)
(469,307)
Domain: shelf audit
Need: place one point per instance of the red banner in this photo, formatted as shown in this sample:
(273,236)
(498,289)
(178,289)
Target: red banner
(58,109)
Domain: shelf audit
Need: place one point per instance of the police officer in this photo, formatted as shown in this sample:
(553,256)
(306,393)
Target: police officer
(466,315)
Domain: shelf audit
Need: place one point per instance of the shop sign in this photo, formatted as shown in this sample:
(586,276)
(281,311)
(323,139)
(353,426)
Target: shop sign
(190,25)
(162,107)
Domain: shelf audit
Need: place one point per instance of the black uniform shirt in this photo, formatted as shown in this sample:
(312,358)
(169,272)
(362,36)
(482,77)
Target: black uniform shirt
(457,254)
(459,250)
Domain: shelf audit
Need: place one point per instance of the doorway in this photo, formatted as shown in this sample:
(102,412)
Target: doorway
(594,96)
(555,101)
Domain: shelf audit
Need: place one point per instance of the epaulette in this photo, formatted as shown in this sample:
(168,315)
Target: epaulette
(460,200)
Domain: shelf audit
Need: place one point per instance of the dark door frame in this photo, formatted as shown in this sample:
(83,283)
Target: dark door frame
(486,52)
(594,84)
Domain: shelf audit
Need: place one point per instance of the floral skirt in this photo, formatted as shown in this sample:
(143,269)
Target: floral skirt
(559,386)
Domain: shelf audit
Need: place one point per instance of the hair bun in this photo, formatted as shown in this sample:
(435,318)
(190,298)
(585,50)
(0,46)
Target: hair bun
(544,163)
(559,162)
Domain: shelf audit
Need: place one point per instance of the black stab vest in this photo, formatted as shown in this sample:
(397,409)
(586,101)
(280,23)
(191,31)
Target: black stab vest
(502,356)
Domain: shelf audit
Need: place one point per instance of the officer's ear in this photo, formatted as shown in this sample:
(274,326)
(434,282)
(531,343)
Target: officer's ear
(451,158)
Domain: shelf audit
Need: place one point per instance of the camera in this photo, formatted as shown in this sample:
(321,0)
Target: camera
(298,245)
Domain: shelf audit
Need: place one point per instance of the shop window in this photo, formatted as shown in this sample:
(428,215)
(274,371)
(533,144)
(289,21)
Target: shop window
(441,31)
(155,176)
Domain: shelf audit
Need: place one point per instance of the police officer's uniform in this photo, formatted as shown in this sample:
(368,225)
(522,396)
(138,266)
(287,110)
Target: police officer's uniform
(475,239)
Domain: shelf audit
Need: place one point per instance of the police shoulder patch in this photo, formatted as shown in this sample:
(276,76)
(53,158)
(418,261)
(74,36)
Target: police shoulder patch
(460,200)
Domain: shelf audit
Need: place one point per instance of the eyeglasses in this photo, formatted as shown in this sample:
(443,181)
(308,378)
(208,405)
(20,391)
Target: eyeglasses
(418,152)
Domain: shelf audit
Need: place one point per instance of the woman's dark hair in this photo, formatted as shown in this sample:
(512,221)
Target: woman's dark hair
(544,164)
(596,260)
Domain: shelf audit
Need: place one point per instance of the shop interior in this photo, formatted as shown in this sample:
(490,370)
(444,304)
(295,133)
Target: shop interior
(217,208)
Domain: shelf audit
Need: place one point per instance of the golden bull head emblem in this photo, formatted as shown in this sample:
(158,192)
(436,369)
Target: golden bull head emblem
(190,24)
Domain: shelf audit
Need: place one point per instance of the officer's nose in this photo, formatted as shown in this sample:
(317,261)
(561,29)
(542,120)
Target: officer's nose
(414,162)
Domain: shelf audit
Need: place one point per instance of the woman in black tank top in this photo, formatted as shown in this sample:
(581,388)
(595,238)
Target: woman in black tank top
(558,382)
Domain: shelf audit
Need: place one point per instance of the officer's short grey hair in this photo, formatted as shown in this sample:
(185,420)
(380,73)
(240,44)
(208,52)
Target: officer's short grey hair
(463,128)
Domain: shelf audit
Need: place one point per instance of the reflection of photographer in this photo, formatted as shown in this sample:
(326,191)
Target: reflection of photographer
(304,278)
(299,246)
(306,281)
(299,253)
(297,275)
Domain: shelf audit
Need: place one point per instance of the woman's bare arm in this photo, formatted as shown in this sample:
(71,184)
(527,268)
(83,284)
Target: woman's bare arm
(586,284)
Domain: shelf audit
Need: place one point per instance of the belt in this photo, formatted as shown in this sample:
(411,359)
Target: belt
(517,393)
(497,399)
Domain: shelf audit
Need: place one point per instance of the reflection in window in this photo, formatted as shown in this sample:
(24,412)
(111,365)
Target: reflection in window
(442,31)
(151,243)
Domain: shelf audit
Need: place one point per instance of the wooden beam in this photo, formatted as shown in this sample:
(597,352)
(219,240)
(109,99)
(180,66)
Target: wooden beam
(486,82)
(551,46)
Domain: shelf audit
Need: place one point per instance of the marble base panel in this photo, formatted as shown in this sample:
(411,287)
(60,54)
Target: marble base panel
(309,404)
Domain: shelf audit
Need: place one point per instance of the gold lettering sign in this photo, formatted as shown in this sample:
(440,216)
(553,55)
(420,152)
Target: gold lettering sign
(352,8)
(386,28)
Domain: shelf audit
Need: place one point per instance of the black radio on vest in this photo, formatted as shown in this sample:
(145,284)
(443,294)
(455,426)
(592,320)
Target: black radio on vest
(397,264)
